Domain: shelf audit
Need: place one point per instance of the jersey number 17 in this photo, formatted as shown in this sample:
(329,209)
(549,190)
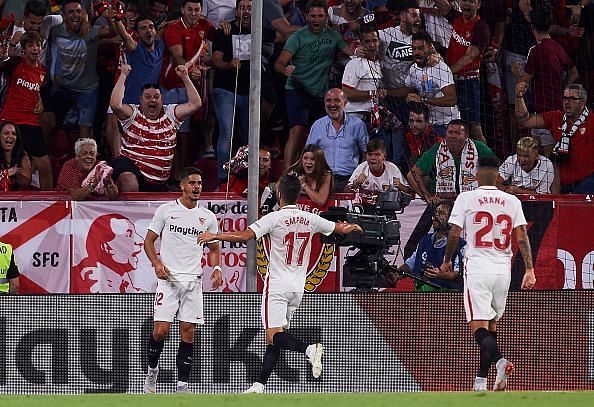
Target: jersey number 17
(292,241)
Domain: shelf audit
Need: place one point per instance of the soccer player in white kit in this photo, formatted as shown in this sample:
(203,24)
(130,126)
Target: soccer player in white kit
(179,270)
(290,231)
(489,215)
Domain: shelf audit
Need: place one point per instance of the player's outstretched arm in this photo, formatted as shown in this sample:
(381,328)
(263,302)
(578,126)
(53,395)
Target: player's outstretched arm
(343,228)
(522,237)
(237,236)
(453,238)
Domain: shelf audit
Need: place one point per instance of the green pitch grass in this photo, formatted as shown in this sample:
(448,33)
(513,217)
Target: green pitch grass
(468,399)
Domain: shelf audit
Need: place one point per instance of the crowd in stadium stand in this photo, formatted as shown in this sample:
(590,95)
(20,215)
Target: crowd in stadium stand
(148,87)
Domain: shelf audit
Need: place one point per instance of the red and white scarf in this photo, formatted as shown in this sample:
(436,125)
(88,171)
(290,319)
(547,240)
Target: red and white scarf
(446,169)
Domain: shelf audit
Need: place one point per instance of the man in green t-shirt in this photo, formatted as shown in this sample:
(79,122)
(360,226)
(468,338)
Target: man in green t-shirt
(305,61)
(448,168)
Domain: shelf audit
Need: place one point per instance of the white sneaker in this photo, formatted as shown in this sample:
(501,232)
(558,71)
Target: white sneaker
(504,370)
(314,353)
(182,387)
(150,382)
(480,384)
(257,387)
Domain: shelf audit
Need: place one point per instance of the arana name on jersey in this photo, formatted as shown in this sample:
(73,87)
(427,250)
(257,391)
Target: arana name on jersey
(491,200)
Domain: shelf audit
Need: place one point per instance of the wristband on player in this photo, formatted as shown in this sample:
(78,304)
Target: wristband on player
(215,268)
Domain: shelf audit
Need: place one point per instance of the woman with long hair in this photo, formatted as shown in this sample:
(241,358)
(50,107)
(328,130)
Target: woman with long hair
(15,166)
(314,173)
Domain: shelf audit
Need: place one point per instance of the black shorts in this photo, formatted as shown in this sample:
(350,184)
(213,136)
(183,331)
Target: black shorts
(123,164)
(33,140)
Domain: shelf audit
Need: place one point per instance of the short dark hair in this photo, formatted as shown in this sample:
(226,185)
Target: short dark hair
(316,3)
(184,2)
(265,148)
(150,86)
(368,29)
(541,19)
(459,122)
(489,161)
(421,36)
(142,17)
(289,186)
(30,37)
(376,144)
(406,4)
(186,172)
(419,108)
(237,3)
(36,8)
(68,2)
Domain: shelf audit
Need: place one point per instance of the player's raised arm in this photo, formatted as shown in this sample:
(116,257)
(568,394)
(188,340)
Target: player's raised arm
(522,237)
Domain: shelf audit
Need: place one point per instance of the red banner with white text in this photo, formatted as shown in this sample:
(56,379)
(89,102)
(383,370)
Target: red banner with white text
(39,233)
(79,247)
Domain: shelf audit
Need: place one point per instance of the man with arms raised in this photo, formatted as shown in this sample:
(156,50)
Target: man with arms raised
(489,216)
(149,139)
(290,231)
(179,270)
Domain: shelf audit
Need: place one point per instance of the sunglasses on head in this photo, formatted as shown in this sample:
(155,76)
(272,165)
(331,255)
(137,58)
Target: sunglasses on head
(151,86)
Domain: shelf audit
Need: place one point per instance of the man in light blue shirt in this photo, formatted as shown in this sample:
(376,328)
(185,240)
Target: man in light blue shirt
(342,137)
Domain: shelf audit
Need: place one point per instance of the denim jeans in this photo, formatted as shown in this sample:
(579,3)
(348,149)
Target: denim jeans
(223,108)
(585,186)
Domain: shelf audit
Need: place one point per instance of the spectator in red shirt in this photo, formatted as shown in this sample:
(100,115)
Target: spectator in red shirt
(545,68)
(183,39)
(470,38)
(83,177)
(239,180)
(573,133)
(421,136)
(23,105)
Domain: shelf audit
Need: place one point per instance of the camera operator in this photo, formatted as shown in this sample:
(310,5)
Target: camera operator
(375,175)
(424,262)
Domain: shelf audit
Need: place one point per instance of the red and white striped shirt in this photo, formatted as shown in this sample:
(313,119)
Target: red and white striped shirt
(150,144)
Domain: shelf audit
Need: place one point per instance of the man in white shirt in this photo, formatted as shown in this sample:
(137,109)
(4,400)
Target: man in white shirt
(396,44)
(179,270)
(432,85)
(375,175)
(290,232)
(489,216)
(527,172)
(362,78)
(436,22)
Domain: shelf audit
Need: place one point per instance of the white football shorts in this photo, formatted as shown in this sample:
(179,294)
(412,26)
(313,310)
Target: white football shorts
(278,308)
(485,294)
(179,298)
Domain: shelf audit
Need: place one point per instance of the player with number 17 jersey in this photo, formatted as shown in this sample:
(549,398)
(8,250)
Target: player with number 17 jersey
(290,231)
(490,216)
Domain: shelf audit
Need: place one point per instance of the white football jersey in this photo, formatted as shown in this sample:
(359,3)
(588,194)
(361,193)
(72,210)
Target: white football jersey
(179,228)
(290,231)
(490,216)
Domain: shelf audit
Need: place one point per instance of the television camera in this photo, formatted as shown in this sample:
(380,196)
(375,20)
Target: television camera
(381,230)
